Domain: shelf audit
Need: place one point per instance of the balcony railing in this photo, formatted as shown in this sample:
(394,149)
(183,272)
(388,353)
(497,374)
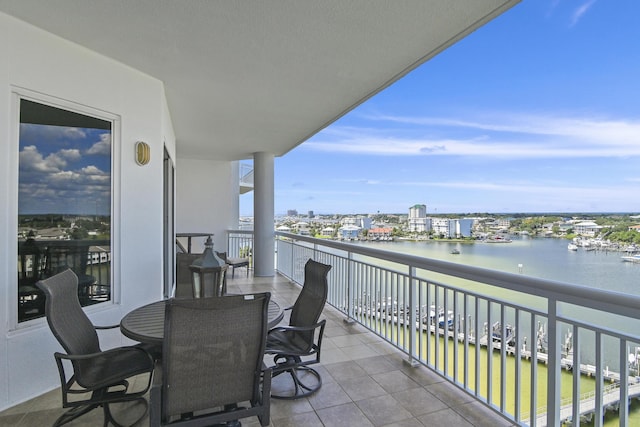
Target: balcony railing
(246,178)
(239,243)
(552,345)
(39,259)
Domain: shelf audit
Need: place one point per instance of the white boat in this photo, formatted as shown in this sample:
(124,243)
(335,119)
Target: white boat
(632,258)
(572,247)
(497,239)
(496,334)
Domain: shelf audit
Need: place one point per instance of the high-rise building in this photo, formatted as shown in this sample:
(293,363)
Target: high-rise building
(418,219)
(418,211)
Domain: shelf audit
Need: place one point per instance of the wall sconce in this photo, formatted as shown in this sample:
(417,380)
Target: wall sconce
(143,153)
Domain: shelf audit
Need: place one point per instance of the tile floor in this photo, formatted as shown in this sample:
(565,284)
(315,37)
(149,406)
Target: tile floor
(365,383)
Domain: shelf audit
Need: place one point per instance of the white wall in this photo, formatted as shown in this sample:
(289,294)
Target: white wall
(207,200)
(42,63)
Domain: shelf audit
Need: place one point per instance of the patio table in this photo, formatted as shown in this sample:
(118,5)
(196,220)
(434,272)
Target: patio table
(146,324)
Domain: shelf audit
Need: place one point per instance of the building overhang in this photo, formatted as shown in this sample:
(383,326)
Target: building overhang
(252,76)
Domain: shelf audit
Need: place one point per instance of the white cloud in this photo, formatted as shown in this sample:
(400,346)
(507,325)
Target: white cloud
(102,147)
(580,11)
(32,160)
(498,135)
(39,133)
(70,154)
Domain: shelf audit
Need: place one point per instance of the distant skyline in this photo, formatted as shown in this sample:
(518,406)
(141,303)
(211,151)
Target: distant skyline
(537,111)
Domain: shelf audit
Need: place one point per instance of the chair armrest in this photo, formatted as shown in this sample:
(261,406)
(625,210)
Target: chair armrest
(298,328)
(93,382)
(102,354)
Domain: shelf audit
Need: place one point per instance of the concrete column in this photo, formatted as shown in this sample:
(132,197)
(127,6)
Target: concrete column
(263,215)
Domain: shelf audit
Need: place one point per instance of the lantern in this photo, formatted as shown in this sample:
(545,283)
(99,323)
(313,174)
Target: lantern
(208,274)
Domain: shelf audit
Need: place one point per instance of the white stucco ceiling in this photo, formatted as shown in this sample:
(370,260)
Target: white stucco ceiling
(256,75)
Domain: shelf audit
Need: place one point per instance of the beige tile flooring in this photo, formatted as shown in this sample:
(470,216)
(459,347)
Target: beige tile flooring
(366,382)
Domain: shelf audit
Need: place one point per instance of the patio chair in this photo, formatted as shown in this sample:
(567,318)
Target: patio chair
(99,378)
(298,345)
(212,362)
(234,262)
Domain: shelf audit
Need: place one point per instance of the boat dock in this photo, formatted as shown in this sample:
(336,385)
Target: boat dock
(435,323)
(610,399)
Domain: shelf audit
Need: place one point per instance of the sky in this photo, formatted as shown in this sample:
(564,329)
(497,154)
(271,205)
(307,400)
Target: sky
(64,170)
(537,111)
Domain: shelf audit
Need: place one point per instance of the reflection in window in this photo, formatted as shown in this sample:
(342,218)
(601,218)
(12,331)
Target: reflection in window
(64,203)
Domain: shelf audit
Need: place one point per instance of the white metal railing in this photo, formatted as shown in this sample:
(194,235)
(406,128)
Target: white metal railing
(246,174)
(452,317)
(240,243)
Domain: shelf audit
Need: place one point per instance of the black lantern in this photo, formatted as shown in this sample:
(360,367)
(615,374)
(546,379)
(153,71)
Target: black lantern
(208,273)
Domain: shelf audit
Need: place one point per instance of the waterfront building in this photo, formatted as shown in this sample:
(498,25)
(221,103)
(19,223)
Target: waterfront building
(464,227)
(359,221)
(380,234)
(418,211)
(349,232)
(586,228)
(444,227)
(452,228)
(327,232)
(301,228)
(418,222)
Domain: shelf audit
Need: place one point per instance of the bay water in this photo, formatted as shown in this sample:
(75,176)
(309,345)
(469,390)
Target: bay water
(547,258)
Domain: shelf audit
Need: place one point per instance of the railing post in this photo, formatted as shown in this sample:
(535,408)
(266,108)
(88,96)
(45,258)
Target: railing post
(553,375)
(350,307)
(412,317)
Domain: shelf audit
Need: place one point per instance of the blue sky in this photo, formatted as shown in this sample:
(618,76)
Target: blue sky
(537,111)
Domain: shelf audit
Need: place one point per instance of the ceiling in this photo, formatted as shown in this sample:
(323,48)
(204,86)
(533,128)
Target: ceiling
(255,75)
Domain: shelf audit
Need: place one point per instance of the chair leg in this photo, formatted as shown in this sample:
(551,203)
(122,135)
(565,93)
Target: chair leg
(74,413)
(108,416)
(302,388)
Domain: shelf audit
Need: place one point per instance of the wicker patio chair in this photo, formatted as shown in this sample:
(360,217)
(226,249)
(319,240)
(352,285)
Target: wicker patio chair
(298,345)
(98,378)
(211,370)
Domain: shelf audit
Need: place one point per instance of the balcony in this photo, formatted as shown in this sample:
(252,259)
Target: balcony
(366,382)
(450,317)
(406,343)
(246,178)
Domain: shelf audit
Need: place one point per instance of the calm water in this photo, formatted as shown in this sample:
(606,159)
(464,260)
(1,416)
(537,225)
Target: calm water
(540,257)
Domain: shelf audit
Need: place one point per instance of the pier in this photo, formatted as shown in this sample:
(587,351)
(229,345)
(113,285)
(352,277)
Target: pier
(610,399)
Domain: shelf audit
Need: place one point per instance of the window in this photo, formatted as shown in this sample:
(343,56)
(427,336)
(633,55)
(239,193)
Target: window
(64,203)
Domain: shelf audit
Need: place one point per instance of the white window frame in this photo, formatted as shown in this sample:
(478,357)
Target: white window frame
(17,94)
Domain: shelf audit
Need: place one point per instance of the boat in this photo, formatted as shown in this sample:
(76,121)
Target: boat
(442,318)
(455,252)
(572,247)
(448,320)
(632,258)
(510,334)
(497,239)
